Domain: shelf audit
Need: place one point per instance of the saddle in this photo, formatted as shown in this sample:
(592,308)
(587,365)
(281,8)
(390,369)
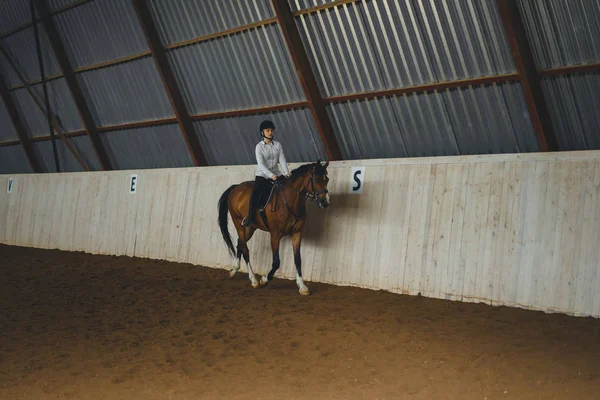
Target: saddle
(274,186)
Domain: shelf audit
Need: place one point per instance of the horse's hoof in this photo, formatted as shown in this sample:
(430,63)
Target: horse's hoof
(263,282)
(255,285)
(232,273)
(304,291)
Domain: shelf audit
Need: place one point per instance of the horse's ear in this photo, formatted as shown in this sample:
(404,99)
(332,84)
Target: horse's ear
(326,164)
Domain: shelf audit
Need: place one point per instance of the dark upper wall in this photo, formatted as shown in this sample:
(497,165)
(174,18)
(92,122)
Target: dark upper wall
(353,47)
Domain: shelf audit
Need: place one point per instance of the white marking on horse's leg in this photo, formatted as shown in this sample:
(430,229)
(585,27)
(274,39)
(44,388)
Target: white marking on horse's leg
(327,197)
(264,280)
(252,276)
(303,289)
(235,269)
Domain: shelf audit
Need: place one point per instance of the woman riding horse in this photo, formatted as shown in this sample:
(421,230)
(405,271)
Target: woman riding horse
(285,215)
(269,153)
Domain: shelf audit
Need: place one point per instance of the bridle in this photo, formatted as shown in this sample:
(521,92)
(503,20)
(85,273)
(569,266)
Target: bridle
(313,195)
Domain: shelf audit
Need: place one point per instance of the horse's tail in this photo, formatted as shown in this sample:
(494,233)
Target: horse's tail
(223,219)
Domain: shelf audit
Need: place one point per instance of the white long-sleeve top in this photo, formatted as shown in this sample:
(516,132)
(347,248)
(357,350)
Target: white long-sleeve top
(267,158)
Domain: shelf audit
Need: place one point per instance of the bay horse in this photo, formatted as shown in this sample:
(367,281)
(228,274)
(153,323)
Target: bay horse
(285,214)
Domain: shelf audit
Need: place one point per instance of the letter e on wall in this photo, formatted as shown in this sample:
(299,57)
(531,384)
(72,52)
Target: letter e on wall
(133,182)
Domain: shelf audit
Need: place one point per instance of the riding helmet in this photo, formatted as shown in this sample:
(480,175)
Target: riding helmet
(266,124)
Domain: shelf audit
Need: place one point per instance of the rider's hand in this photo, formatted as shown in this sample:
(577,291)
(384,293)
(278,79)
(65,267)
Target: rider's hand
(274,177)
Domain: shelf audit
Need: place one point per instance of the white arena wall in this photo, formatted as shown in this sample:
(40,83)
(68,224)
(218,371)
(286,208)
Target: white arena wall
(517,230)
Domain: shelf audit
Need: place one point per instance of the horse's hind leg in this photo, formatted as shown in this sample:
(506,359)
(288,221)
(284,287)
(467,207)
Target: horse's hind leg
(275,240)
(239,259)
(251,276)
(244,235)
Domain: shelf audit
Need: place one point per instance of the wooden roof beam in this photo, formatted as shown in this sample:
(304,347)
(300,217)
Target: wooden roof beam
(529,77)
(19,127)
(307,79)
(170,84)
(73,84)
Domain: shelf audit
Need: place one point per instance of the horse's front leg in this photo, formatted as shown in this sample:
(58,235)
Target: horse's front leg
(275,240)
(296,242)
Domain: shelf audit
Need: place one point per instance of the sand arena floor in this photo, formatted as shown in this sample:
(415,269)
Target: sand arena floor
(78,326)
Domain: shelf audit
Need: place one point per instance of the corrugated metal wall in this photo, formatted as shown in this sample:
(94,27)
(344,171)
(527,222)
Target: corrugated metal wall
(181,20)
(574,103)
(361,47)
(7,129)
(565,33)
(380,45)
(562,32)
(45,154)
(13,14)
(353,47)
(464,121)
(156,147)
(233,140)
(99,31)
(61,102)
(13,160)
(297,5)
(128,92)
(22,50)
(56,4)
(83,146)
(489,120)
(249,70)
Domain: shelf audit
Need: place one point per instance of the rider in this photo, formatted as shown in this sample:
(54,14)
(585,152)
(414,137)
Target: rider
(269,153)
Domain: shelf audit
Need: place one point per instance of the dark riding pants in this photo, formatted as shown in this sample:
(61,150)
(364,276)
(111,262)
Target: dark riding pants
(259,194)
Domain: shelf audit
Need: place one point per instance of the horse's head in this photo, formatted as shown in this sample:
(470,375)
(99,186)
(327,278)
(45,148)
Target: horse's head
(317,186)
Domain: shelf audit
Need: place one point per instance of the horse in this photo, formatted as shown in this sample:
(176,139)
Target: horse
(283,215)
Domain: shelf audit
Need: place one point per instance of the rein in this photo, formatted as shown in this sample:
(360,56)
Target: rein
(313,195)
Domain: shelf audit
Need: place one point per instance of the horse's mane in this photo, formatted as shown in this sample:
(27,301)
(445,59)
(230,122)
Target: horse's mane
(303,169)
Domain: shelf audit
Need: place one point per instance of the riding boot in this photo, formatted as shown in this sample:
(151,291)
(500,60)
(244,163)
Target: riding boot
(249,220)
(256,199)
